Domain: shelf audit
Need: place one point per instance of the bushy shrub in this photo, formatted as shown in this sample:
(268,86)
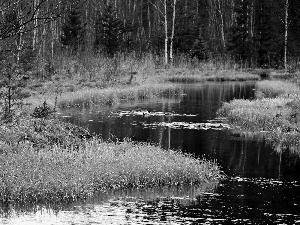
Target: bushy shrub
(42,111)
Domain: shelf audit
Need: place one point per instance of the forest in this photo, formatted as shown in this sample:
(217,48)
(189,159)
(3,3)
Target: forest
(246,33)
(91,56)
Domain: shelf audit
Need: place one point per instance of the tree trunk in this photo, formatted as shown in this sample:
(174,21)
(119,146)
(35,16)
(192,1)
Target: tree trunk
(35,22)
(173,31)
(286,26)
(222,25)
(166,32)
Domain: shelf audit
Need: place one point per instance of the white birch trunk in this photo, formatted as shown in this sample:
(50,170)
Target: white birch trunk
(52,38)
(20,42)
(173,31)
(222,25)
(286,26)
(149,23)
(166,32)
(35,22)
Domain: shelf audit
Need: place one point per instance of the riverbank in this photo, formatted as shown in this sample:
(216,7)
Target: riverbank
(274,113)
(46,160)
(75,93)
(102,80)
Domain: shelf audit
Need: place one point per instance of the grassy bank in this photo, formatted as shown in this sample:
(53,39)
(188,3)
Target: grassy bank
(113,95)
(150,84)
(96,79)
(58,174)
(275,88)
(275,113)
(45,160)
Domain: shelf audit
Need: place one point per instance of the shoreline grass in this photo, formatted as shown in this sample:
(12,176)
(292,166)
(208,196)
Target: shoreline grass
(275,88)
(155,83)
(56,174)
(111,96)
(203,75)
(76,78)
(48,160)
(276,113)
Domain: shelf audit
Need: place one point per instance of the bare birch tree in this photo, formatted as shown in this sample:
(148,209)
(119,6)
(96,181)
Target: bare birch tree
(173,31)
(286,27)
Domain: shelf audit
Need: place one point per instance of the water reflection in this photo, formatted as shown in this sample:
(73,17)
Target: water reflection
(136,206)
(239,155)
(235,201)
(263,187)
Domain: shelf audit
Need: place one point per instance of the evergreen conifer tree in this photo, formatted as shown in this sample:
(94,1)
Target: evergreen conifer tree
(73,32)
(189,36)
(294,29)
(263,33)
(109,31)
(240,43)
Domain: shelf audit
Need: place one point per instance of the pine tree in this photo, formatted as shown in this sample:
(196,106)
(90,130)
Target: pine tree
(73,32)
(294,29)
(109,32)
(263,33)
(240,43)
(199,49)
(189,36)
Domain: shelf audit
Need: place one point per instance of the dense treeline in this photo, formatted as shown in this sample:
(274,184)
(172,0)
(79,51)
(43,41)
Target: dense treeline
(253,33)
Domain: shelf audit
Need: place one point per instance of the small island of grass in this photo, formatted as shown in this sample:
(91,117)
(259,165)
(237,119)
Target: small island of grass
(274,113)
(46,160)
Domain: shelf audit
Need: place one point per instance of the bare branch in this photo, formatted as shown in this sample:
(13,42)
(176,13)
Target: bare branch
(30,17)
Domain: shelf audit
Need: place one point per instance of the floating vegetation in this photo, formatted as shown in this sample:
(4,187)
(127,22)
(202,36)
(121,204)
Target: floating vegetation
(216,124)
(146,113)
(190,126)
(264,181)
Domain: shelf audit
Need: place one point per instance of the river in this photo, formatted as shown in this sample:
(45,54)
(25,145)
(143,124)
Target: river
(262,187)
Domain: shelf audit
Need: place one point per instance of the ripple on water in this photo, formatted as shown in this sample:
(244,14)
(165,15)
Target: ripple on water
(237,200)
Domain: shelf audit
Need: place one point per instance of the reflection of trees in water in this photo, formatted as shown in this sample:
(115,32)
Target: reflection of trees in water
(132,202)
(243,155)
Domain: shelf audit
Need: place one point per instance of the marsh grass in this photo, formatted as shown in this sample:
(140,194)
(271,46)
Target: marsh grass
(278,118)
(275,88)
(258,115)
(57,174)
(91,79)
(111,96)
(207,74)
(231,75)
(40,133)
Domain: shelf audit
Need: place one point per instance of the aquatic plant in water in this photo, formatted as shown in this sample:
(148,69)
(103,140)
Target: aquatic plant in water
(277,117)
(111,96)
(69,173)
(275,88)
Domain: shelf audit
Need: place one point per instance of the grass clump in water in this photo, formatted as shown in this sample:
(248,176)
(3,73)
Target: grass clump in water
(275,88)
(56,174)
(277,117)
(231,75)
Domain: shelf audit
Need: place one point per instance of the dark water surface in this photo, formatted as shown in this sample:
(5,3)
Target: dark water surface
(262,186)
